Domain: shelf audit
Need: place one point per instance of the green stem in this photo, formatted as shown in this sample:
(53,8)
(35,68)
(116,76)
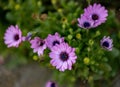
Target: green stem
(87,33)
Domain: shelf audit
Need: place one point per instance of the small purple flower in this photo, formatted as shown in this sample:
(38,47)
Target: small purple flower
(13,36)
(62,56)
(52,40)
(51,84)
(38,45)
(85,23)
(28,37)
(96,13)
(106,43)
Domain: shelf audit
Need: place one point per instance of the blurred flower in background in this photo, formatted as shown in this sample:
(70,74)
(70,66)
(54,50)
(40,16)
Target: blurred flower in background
(58,31)
(51,84)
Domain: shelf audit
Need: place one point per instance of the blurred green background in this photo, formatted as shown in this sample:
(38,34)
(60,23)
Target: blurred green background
(49,16)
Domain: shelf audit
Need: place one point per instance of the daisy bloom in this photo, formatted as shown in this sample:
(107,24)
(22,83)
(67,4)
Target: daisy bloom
(13,36)
(51,84)
(85,23)
(52,40)
(107,43)
(62,56)
(38,45)
(96,13)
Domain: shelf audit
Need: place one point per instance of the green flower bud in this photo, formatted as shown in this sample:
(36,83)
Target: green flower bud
(78,36)
(91,42)
(98,33)
(88,49)
(39,3)
(59,10)
(64,20)
(35,58)
(17,7)
(71,30)
(70,37)
(53,1)
(86,60)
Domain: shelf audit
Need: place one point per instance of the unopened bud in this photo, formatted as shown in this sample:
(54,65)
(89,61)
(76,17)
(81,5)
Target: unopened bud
(86,60)
(91,42)
(98,33)
(17,6)
(78,36)
(70,37)
(35,58)
(53,1)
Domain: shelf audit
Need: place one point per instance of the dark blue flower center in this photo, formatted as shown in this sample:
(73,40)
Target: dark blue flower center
(86,24)
(41,43)
(64,56)
(52,84)
(56,42)
(95,17)
(105,44)
(16,37)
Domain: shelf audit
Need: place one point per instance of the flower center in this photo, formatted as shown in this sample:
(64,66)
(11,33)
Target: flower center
(86,24)
(64,56)
(95,17)
(41,43)
(52,84)
(105,44)
(16,37)
(56,42)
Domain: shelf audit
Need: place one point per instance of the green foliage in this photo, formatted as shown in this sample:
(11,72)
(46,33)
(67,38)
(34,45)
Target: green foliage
(45,17)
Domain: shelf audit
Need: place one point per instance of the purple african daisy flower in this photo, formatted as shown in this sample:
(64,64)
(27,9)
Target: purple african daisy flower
(106,43)
(51,84)
(52,40)
(13,36)
(62,56)
(38,45)
(96,13)
(84,22)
